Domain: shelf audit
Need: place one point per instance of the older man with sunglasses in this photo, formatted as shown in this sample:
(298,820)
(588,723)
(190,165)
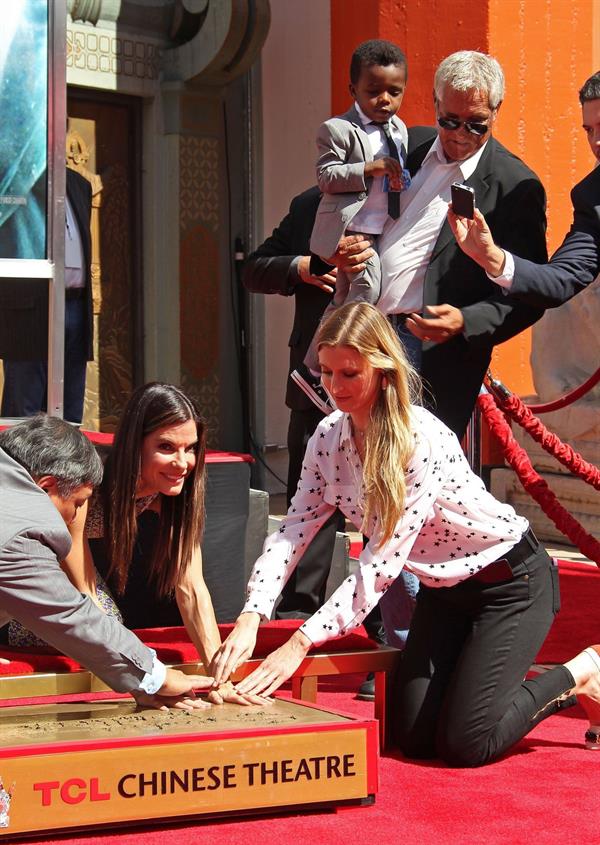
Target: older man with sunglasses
(444,308)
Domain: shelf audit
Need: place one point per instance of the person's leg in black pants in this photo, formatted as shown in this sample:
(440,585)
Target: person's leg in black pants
(462,696)
(304,593)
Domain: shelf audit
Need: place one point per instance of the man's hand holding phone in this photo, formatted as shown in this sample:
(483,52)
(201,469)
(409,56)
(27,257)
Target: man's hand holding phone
(475,239)
(463,200)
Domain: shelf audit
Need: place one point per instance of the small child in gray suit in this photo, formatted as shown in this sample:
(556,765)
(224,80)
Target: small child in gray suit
(360,170)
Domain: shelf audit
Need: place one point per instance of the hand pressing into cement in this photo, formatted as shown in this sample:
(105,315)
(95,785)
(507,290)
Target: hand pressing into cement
(277,667)
(228,693)
(237,648)
(177,692)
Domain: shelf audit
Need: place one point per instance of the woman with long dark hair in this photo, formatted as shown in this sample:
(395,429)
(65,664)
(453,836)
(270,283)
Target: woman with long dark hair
(157,463)
(488,590)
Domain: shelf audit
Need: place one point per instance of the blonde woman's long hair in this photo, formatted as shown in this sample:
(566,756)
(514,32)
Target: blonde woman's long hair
(389,441)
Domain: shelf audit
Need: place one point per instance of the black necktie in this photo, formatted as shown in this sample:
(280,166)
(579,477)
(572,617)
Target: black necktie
(393,196)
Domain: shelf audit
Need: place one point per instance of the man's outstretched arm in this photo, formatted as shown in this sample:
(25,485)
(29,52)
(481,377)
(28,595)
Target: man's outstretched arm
(35,591)
(572,268)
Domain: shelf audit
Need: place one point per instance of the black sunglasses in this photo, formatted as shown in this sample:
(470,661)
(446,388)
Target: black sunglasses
(473,128)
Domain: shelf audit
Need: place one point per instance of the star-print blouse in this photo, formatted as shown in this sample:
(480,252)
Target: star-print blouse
(451,527)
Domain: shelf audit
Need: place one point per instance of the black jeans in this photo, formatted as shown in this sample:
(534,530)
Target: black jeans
(461,693)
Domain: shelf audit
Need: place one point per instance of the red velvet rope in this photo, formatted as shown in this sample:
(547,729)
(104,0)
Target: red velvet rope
(533,483)
(568,398)
(563,453)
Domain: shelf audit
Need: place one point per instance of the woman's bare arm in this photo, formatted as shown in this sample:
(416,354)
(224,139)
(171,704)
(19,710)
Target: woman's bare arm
(196,608)
(78,565)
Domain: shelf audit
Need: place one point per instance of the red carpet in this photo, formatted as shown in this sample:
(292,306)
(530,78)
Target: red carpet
(578,623)
(173,645)
(541,793)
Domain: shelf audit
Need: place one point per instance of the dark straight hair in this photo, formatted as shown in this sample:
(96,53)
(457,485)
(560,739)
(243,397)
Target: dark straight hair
(181,523)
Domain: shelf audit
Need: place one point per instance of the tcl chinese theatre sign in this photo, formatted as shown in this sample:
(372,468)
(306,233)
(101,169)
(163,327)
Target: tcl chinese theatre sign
(82,765)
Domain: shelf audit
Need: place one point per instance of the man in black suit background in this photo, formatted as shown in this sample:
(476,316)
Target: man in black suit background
(24,320)
(283,265)
(576,263)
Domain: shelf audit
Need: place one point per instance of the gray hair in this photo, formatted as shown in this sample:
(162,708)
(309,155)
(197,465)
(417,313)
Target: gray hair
(46,445)
(469,70)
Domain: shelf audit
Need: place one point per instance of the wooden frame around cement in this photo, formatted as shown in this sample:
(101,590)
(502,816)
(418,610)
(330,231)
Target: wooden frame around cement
(381,661)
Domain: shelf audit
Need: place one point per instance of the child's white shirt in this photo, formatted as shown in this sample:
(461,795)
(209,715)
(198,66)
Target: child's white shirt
(372,216)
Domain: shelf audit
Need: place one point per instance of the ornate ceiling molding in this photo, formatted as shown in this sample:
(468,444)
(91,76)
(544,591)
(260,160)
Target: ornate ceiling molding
(91,11)
(229,36)
(190,42)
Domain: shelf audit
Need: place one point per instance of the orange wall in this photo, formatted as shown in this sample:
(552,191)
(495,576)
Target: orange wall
(546,48)
(351,23)
(427,30)
(546,58)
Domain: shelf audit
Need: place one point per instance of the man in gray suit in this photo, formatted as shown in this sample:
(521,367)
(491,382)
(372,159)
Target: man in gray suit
(48,469)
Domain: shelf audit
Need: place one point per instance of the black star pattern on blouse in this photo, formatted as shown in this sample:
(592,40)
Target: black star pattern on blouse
(431,540)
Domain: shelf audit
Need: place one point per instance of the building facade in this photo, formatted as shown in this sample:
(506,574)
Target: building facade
(195,122)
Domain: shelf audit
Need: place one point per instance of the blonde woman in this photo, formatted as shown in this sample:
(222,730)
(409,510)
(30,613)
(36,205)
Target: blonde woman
(488,590)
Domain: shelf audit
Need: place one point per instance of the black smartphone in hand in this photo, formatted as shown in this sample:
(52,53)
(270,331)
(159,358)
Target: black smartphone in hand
(463,200)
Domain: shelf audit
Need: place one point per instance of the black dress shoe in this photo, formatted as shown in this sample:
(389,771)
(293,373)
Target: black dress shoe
(366,691)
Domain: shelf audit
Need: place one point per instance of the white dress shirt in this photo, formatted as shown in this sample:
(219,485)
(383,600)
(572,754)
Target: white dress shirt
(153,681)
(406,245)
(505,279)
(372,216)
(451,528)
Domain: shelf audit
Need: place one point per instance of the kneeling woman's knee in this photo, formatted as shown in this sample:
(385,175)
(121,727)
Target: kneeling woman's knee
(461,754)
(415,746)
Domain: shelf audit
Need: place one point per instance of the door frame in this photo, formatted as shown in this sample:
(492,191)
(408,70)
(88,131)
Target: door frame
(134,106)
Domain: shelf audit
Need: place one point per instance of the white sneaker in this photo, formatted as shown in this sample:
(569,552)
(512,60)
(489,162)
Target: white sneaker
(311,385)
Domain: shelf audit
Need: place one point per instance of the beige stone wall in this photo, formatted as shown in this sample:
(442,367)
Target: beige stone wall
(295,100)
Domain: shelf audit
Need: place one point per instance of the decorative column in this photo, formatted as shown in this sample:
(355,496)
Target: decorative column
(226,39)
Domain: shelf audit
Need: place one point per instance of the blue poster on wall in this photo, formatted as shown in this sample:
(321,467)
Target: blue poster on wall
(23,128)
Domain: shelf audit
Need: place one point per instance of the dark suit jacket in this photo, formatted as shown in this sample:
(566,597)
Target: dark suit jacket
(269,270)
(24,302)
(512,199)
(576,263)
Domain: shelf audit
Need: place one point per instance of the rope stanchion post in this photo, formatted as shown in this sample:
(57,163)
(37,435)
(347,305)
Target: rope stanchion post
(551,443)
(472,441)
